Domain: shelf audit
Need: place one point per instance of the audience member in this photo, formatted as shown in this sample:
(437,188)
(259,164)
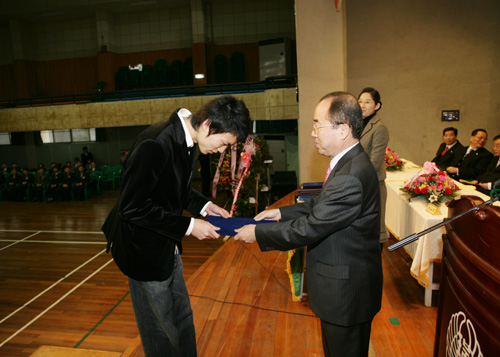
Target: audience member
(41,179)
(486,181)
(5,168)
(68,178)
(12,188)
(93,167)
(26,183)
(86,156)
(76,164)
(2,179)
(55,181)
(473,160)
(374,140)
(449,150)
(81,179)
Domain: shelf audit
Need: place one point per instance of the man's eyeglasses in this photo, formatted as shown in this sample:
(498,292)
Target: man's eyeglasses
(316,127)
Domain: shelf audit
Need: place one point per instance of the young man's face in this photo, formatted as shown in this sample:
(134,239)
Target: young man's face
(213,143)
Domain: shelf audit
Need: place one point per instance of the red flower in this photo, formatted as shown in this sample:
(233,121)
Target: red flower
(424,190)
(448,191)
(417,191)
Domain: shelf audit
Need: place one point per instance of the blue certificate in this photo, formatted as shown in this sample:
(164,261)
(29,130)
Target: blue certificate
(228,225)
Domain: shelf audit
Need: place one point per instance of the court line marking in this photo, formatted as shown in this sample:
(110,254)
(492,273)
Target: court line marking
(19,241)
(56,302)
(49,241)
(31,231)
(50,287)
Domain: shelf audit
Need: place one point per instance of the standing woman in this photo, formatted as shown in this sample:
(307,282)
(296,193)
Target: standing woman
(374,140)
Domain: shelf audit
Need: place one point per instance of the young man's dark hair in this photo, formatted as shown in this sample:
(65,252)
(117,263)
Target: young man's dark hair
(226,115)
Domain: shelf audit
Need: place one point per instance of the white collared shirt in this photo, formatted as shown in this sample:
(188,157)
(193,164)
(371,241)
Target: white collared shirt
(450,146)
(337,158)
(184,113)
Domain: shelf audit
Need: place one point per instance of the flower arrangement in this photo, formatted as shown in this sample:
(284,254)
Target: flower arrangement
(431,183)
(393,161)
(251,156)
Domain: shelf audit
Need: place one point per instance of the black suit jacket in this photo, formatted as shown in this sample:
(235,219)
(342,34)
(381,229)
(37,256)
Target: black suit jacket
(444,161)
(473,165)
(340,227)
(492,173)
(147,222)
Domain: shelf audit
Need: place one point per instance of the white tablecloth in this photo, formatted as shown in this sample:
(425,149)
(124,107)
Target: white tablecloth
(404,218)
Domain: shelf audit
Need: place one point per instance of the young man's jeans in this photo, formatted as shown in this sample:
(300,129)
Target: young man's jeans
(163,314)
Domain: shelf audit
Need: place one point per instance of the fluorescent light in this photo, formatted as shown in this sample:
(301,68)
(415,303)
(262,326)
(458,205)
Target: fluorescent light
(199,76)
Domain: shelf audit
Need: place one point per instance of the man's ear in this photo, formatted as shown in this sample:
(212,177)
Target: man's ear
(206,125)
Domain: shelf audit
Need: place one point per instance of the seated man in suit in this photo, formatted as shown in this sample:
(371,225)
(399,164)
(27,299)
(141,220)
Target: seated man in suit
(473,160)
(492,174)
(340,228)
(448,150)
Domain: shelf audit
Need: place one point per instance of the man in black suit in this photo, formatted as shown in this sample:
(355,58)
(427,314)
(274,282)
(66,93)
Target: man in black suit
(448,150)
(472,160)
(492,174)
(146,227)
(340,228)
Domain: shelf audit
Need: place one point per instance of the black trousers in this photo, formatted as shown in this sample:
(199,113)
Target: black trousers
(346,341)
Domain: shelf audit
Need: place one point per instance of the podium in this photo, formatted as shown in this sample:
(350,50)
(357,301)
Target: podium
(468,321)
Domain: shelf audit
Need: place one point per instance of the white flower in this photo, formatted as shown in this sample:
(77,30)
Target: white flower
(433,198)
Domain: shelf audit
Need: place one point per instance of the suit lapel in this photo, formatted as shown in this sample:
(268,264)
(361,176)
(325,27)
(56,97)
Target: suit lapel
(356,150)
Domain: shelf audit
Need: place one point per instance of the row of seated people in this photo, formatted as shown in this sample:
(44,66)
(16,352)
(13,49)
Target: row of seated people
(473,163)
(59,182)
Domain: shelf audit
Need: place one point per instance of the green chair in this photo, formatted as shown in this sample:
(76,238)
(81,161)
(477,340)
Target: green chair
(117,173)
(237,67)
(220,68)
(108,176)
(99,87)
(121,78)
(187,72)
(96,181)
(147,76)
(160,72)
(175,73)
(133,79)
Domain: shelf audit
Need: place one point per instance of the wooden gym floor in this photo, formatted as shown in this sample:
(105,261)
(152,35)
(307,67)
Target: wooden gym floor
(59,288)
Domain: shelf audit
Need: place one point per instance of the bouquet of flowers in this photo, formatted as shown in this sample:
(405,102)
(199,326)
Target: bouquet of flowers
(251,155)
(431,183)
(393,161)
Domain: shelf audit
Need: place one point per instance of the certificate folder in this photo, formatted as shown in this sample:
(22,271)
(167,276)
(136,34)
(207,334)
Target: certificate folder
(228,225)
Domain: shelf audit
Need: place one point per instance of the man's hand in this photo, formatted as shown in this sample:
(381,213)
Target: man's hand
(246,234)
(452,169)
(204,230)
(272,214)
(484,185)
(214,210)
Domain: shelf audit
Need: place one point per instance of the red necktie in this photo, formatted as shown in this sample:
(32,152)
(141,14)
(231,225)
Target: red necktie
(445,151)
(327,173)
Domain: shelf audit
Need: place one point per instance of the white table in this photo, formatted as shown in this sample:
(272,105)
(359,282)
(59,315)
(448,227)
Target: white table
(404,218)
